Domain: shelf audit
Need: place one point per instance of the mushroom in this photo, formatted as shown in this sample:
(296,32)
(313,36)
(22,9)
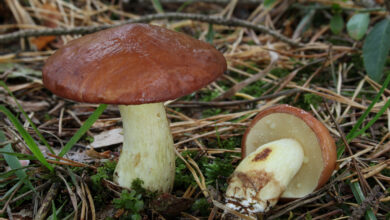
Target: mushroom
(287,154)
(136,66)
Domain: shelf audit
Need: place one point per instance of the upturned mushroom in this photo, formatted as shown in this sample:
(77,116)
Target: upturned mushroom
(287,153)
(137,67)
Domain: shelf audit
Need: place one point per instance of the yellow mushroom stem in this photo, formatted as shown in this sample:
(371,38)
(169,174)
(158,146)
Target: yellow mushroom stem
(147,152)
(261,178)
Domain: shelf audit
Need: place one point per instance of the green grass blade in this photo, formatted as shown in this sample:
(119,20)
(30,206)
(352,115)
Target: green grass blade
(14,163)
(184,5)
(13,171)
(84,128)
(18,155)
(353,133)
(54,215)
(10,191)
(157,6)
(372,121)
(210,34)
(26,137)
(41,138)
(56,212)
(357,192)
(359,196)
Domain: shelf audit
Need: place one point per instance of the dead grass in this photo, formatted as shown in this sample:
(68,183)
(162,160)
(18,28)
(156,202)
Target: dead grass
(203,120)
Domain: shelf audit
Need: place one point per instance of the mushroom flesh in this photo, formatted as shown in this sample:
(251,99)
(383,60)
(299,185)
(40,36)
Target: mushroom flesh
(281,129)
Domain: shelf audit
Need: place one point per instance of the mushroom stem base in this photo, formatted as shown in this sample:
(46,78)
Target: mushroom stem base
(147,152)
(264,175)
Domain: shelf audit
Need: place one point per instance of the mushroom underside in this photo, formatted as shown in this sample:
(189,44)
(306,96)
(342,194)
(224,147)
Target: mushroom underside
(277,126)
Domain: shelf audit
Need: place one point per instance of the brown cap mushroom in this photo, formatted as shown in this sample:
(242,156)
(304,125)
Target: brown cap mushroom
(287,174)
(131,65)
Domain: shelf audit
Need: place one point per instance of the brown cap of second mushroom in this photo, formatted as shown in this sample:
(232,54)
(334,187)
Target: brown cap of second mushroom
(285,121)
(132,64)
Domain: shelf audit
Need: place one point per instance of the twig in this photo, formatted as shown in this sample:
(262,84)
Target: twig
(306,201)
(31,191)
(236,88)
(327,215)
(46,204)
(325,7)
(6,205)
(358,171)
(70,162)
(192,104)
(90,199)
(204,1)
(72,195)
(232,22)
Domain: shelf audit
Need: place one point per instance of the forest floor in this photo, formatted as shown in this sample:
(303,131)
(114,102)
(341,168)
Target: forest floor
(57,162)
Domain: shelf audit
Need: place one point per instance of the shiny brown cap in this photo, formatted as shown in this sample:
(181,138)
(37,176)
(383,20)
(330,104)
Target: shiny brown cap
(132,64)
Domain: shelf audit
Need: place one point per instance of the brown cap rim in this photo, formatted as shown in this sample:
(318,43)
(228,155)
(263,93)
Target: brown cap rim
(327,144)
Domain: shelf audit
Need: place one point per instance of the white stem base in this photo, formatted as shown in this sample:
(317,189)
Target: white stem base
(263,176)
(147,152)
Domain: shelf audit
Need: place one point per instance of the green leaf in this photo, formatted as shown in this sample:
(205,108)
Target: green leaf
(30,142)
(376,49)
(268,3)
(336,8)
(136,217)
(14,163)
(336,23)
(358,25)
(84,128)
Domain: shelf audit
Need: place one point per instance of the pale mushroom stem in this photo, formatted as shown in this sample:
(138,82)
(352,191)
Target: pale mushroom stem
(261,178)
(147,152)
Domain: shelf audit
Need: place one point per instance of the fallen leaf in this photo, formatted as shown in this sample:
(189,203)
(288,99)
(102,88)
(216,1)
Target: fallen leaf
(170,205)
(107,138)
(50,14)
(94,154)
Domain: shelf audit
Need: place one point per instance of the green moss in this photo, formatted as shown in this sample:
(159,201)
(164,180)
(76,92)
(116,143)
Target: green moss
(255,89)
(217,172)
(132,203)
(88,138)
(225,143)
(280,72)
(312,99)
(211,112)
(201,207)
(183,177)
(104,172)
